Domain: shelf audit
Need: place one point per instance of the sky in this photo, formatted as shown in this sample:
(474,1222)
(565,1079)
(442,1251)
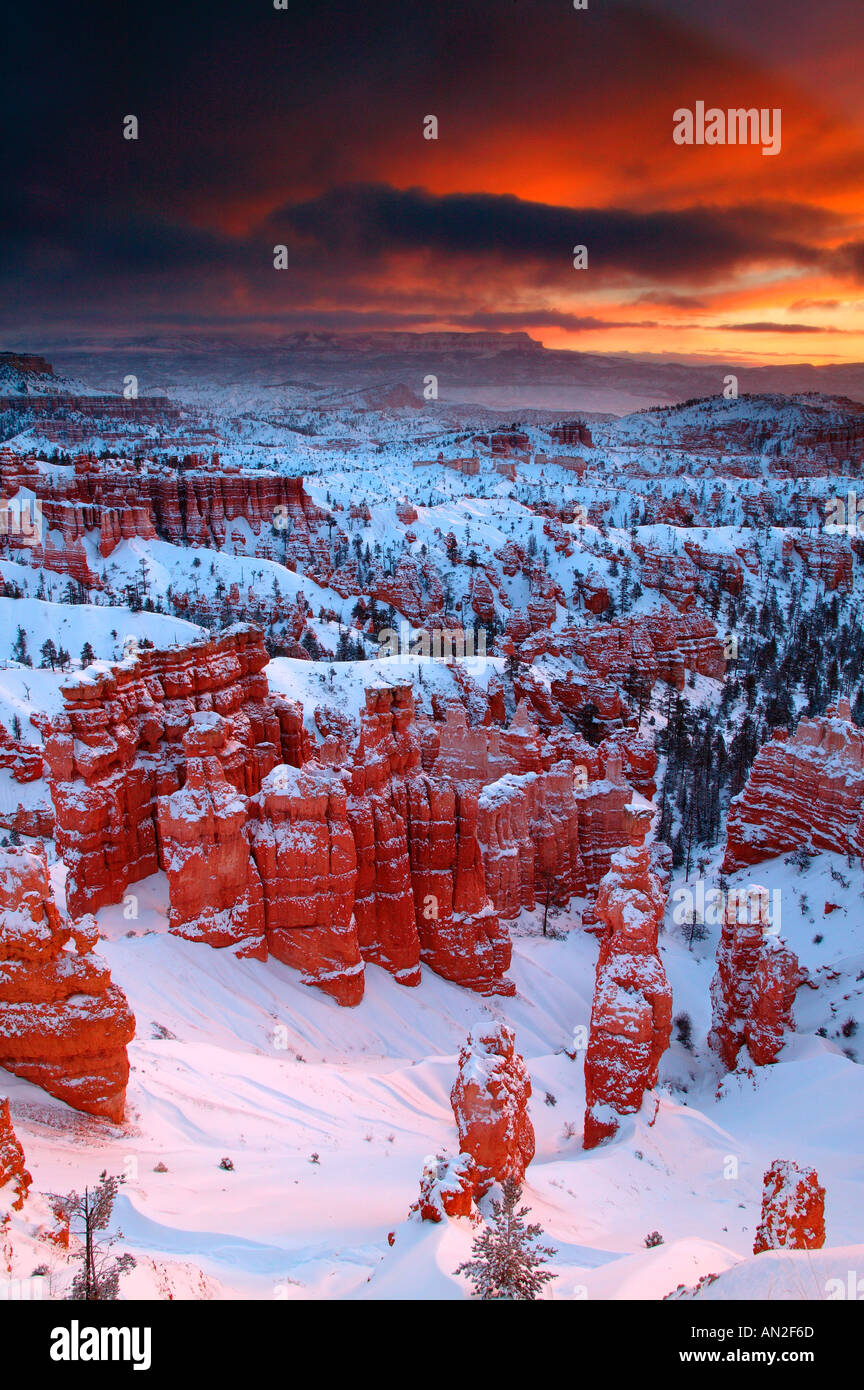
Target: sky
(304,127)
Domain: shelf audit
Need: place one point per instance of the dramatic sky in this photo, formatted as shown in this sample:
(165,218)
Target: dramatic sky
(304,127)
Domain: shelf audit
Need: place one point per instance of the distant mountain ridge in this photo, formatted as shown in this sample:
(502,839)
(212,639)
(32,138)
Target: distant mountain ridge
(495,370)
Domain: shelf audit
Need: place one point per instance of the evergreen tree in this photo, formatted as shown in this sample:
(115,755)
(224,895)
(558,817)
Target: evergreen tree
(49,654)
(19,649)
(506,1261)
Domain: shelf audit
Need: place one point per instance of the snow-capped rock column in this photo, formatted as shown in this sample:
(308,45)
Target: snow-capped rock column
(461,937)
(753,991)
(304,851)
(631,1017)
(793,1209)
(490,1102)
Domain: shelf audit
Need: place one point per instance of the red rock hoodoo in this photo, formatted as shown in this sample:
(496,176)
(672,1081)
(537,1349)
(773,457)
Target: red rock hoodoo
(793,1209)
(411,847)
(446,1188)
(13,1169)
(215,890)
(304,851)
(631,1017)
(63,1024)
(490,1103)
(753,991)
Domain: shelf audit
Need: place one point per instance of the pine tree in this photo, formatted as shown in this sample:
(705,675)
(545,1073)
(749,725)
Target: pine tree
(506,1263)
(88,656)
(49,653)
(19,648)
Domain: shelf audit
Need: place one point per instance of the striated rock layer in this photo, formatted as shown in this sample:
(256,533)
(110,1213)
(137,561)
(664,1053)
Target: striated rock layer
(118,746)
(63,1024)
(804,792)
(631,1016)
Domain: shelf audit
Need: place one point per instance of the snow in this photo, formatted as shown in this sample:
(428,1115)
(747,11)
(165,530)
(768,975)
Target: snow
(330,1114)
(238,1058)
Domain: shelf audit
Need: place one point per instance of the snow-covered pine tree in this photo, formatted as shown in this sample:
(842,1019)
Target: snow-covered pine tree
(507,1263)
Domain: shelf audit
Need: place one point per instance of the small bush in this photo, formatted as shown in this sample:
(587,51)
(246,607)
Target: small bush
(684,1035)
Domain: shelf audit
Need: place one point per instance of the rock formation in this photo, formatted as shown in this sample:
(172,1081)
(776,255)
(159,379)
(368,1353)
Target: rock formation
(793,1209)
(28,810)
(304,852)
(529,833)
(824,559)
(410,846)
(446,1188)
(63,1024)
(118,747)
(753,991)
(215,889)
(12,1166)
(632,1012)
(803,792)
(490,1103)
(460,934)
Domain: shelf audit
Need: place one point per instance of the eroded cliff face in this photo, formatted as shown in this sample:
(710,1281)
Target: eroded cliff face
(304,852)
(118,747)
(804,792)
(631,1016)
(398,842)
(63,1024)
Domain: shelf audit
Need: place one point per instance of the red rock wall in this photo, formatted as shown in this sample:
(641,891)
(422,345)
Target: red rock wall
(13,1169)
(305,855)
(114,500)
(215,889)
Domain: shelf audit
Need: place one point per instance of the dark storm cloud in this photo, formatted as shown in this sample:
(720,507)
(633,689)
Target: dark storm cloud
(769,327)
(543,318)
(317,111)
(360,228)
(364,222)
